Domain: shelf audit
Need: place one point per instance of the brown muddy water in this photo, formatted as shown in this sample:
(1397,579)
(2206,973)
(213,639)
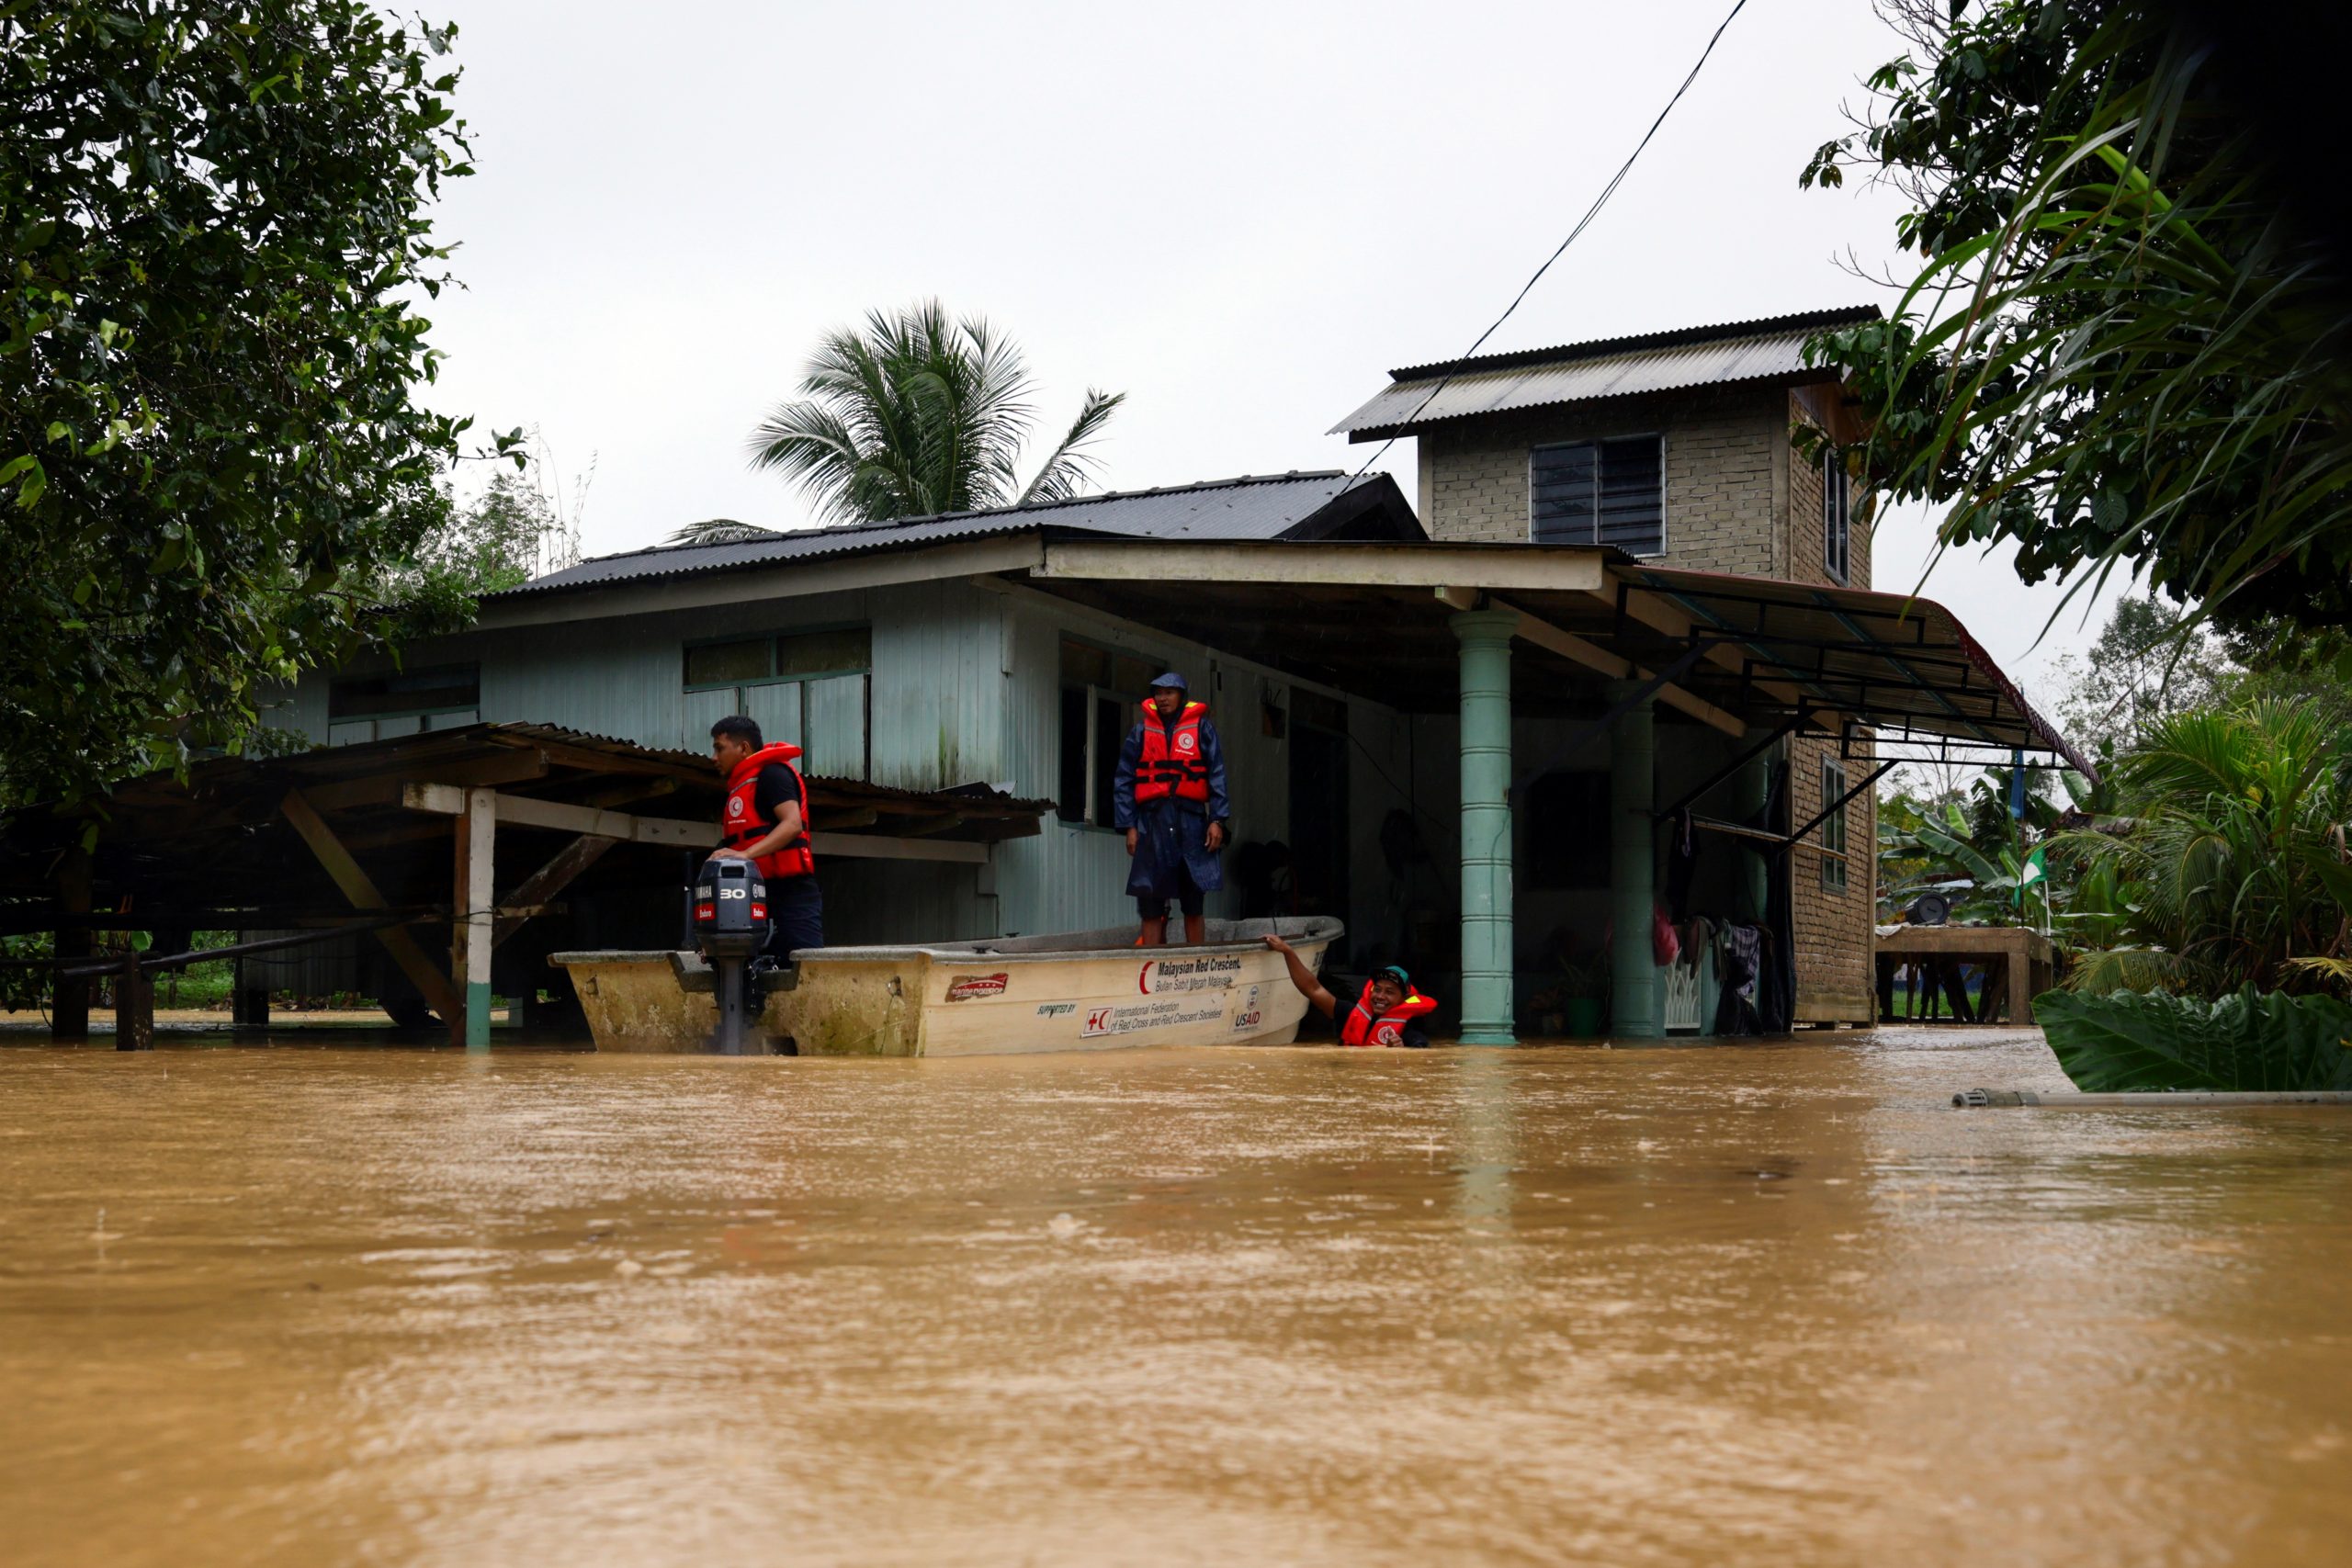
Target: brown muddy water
(1777,1304)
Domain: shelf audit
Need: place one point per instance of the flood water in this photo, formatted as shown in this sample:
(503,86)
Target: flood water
(1777,1304)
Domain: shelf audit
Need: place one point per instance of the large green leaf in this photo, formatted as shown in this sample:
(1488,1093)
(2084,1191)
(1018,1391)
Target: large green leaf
(2249,1041)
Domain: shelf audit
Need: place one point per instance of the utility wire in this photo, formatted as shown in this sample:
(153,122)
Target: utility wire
(1582,223)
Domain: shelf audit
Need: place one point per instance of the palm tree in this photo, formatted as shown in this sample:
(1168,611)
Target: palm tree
(718,531)
(917,414)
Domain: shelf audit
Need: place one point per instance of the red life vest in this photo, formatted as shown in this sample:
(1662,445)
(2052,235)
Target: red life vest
(742,823)
(1389,1029)
(1171,760)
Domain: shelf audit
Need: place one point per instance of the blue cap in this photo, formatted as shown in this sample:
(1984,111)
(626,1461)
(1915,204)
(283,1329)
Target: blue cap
(1168,678)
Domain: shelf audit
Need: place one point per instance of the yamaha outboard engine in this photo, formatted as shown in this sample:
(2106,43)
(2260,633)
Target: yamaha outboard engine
(730,906)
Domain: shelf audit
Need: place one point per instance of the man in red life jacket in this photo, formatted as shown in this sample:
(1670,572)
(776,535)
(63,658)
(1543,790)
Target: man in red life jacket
(1169,798)
(1386,1014)
(766,820)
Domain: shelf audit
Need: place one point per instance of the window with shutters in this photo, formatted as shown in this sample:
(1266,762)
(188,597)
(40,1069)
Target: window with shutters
(1836,517)
(1101,693)
(1600,492)
(806,689)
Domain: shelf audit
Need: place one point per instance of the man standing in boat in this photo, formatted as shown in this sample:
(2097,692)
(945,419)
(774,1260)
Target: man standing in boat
(765,821)
(1168,797)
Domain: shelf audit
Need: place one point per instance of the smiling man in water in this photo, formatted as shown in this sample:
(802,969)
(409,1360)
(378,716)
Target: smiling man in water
(1383,1015)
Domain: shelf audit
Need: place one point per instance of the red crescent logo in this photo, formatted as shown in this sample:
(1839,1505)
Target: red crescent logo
(1143,976)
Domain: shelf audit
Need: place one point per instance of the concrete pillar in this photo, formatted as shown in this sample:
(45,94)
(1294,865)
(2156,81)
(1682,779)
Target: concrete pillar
(1637,1010)
(1486,826)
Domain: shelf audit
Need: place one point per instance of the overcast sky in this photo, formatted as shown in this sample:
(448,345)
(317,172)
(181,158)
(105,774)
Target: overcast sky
(1242,216)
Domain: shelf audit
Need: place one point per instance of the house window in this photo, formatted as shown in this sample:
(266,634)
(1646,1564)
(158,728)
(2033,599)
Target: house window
(1833,827)
(1100,692)
(408,701)
(1568,831)
(808,689)
(1600,492)
(1836,516)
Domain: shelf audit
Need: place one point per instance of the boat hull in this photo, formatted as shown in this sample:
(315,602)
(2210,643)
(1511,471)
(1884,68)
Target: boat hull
(1079,991)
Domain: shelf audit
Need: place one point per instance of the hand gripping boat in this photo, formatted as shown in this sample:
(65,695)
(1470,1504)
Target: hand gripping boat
(1076,991)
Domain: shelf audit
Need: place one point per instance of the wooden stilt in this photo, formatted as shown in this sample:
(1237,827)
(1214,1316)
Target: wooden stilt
(473,924)
(134,1007)
(69,1010)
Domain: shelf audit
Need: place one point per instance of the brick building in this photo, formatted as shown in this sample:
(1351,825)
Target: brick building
(1675,447)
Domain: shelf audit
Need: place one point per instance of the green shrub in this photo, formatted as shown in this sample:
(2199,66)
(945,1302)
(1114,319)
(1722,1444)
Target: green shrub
(2247,1041)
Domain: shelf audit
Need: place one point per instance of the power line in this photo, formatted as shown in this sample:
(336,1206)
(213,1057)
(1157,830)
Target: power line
(1582,223)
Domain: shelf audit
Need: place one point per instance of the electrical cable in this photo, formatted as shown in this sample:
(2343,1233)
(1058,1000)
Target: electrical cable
(1582,223)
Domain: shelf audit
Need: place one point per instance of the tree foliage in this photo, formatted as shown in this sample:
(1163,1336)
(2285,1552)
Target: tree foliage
(919,414)
(2117,351)
(215,246)
(2227,865)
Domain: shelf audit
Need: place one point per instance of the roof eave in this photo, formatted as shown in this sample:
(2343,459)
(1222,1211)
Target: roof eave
(1805,377)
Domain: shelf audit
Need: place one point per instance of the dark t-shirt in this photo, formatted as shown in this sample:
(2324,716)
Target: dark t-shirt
(778,787)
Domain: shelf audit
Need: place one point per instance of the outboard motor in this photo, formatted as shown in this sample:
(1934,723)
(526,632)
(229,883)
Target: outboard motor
(730,911)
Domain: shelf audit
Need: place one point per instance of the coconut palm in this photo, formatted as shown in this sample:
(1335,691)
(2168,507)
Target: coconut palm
(916,415)
(720,531)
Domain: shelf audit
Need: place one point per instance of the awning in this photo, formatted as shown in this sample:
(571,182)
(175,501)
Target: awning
(1904,665)
(1736,653)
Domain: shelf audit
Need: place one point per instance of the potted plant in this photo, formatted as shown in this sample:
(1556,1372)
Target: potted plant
(1584,997)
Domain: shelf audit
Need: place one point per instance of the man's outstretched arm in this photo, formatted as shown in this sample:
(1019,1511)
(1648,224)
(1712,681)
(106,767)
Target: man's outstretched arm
(1304,978)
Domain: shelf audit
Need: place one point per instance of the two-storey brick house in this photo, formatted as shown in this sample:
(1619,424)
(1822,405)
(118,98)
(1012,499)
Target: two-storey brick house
(1675,447)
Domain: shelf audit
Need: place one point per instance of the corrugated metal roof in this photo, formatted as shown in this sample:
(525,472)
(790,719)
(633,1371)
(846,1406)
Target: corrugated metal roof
(1770,350)
(1250,507)
(1905,663)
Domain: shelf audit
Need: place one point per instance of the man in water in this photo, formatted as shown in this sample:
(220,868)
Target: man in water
(1168,796)
(1385,1015)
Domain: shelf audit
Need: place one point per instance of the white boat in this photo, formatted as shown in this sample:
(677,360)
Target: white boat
(1075,991)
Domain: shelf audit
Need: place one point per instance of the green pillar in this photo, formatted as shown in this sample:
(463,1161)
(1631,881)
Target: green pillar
(1486,826)
(1637,1010)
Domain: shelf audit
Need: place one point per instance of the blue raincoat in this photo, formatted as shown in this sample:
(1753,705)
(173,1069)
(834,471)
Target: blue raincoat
(1172,831)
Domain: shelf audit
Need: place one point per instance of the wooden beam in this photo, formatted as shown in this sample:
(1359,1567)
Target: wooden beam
(862,846)
(1338,565)
(384,788)
(865,816)
(1567,644)
(628,790)
(551,879)
(357,888)
(524,812)
(1660,615)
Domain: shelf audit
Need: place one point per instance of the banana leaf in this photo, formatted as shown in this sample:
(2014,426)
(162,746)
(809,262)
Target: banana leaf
(2246,1041)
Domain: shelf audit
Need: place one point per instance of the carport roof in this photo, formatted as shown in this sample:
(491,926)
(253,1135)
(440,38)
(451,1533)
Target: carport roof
(1373,619)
